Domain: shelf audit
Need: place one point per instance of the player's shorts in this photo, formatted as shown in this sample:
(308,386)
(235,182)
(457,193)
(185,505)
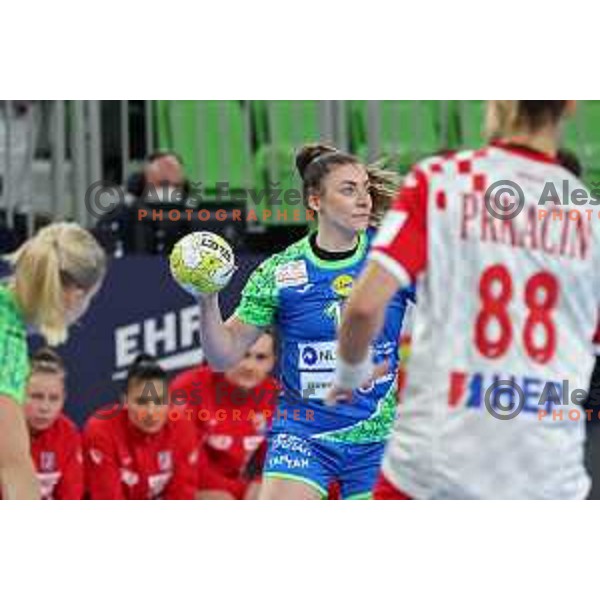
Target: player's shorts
(385,490)
(318,462)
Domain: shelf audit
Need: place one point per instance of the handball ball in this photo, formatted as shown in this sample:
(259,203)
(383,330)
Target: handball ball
(202,263)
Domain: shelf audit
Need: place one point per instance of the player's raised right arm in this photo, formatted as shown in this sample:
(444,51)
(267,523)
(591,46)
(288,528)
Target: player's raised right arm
(203,263)
(224,343)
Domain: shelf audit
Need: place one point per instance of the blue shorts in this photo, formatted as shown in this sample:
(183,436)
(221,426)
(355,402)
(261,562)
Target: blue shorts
(318,463)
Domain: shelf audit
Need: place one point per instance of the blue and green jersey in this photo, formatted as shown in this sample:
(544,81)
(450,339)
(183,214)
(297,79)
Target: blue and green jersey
(302,296)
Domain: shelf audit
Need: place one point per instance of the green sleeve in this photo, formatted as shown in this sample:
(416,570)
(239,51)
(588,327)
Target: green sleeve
(259,298)
(14,364)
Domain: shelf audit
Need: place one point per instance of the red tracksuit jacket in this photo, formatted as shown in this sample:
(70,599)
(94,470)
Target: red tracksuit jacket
(124,463)
(56,454)
(231,424)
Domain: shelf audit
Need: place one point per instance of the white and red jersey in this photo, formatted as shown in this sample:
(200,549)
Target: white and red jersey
(497,300)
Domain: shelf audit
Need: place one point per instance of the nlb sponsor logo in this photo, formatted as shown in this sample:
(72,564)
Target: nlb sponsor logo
(319,356)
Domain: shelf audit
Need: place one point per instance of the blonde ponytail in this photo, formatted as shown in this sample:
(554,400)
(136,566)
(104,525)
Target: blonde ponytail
(384,185)
(501,118)
(59,255)
(510,117)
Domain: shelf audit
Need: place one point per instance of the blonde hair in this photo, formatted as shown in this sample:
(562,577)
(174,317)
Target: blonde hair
(507,117)
(58,256)
(384,186)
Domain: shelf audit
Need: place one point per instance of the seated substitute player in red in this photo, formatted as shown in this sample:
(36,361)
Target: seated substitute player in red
(55,441)
(140,452)
(506,258)
(232,411)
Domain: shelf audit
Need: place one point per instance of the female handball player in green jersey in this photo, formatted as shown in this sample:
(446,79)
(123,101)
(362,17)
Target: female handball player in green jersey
(55,275)
(301,292)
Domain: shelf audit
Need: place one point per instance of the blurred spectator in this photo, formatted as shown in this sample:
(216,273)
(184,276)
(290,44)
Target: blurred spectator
(20,128)
(20,122)
(232,411)
(55,441)
(160,179)
(160,185)
(139,452)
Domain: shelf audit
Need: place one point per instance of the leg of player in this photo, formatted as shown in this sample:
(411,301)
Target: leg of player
(360,470)
(284,489)
(214,495)
(299,467)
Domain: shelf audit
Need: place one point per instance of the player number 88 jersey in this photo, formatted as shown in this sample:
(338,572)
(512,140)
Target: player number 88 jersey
(502,298)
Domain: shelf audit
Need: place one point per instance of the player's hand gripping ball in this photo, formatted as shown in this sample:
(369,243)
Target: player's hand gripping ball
(202,263)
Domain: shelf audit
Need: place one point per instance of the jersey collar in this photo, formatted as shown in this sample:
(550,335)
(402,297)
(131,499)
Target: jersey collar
(525,151)
(339,264)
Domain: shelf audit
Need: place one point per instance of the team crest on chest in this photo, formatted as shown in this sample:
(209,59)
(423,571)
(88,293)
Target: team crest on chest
(47,462)
(165,460)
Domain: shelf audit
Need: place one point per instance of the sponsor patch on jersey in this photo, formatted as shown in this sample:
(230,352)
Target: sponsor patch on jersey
(252,442)
(157,484)
(504,395)
(47,482)
(165,460)
(342,285)
(220,442)
(129,478)
(317,356)
(315,385)
(290,274)
(47,462)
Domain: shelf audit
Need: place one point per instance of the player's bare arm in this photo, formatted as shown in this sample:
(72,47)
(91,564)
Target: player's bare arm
(224,343)
(366,307)
(362,318)
(17,475)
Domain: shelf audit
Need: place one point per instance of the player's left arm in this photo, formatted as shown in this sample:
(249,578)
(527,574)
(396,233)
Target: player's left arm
(18,479)
(365,311)
(17,473)
(362,319)
(364,314)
